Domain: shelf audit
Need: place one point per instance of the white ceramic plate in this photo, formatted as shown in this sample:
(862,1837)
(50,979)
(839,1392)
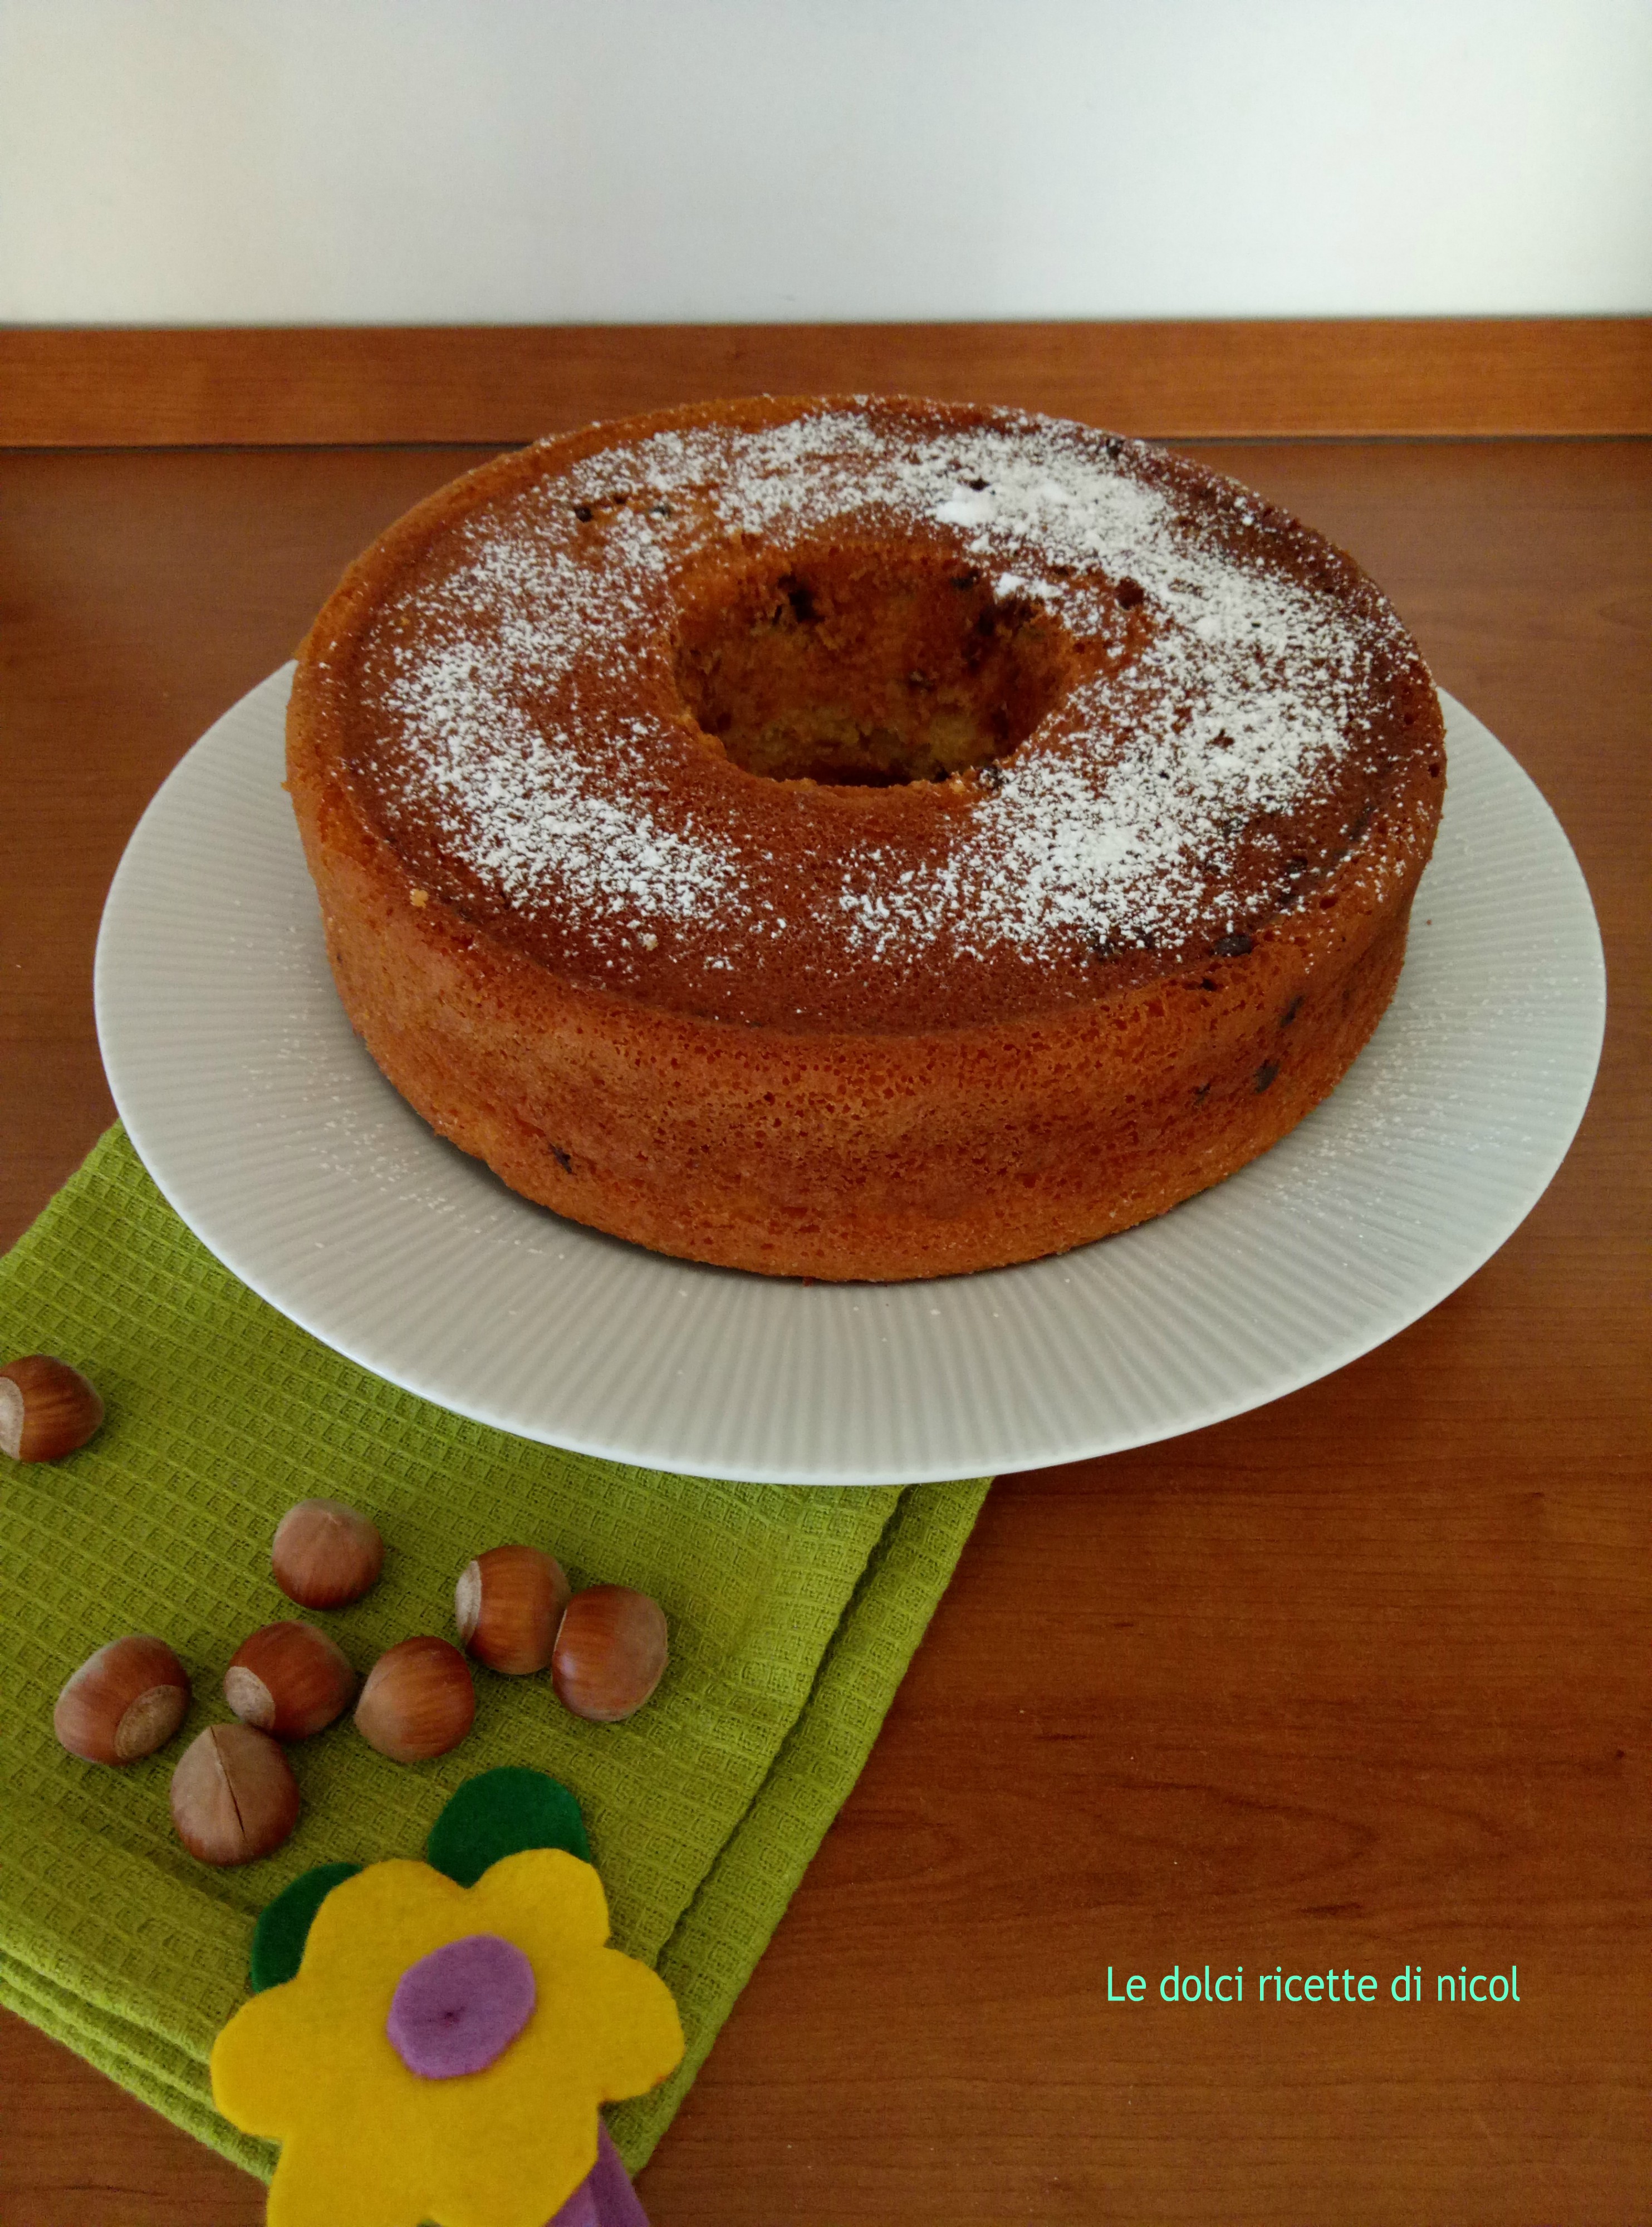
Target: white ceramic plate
(275,1136)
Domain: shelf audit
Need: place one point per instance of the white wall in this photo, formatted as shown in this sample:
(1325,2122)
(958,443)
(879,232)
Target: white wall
(414,161)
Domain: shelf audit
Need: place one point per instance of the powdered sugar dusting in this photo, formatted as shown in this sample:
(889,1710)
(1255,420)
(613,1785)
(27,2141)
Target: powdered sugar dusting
(1243,685)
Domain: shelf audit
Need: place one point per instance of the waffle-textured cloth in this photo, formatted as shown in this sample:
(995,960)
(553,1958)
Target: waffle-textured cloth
(793,1613)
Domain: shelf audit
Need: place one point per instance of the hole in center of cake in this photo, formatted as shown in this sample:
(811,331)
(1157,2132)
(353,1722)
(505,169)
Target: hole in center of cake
(855,666)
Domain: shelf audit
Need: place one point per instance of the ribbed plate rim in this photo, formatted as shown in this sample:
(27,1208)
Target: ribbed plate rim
(159,1077)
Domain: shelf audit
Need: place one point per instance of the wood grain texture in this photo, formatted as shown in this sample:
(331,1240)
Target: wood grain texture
(1355,1682)
(506,383)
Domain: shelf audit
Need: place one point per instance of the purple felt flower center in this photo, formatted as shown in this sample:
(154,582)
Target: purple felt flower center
(461,2007)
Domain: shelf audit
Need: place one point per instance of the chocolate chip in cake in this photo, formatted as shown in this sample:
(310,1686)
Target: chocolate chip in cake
(561,1159)
(1233,947)
(1290,1013)
(800,596)
(1129,593)
(1265,1075)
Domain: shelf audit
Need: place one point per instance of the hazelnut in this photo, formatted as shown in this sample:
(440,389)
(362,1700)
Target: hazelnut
(234,1795)
(289,1679)
(325,1554)
(46,1408)
(610,1653)
(417,1701)
(508,1604)
(126,1701)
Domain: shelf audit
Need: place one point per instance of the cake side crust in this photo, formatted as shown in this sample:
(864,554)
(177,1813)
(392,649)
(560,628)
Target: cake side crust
(857,1156)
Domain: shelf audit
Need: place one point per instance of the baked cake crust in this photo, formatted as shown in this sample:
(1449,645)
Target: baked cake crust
(861,839)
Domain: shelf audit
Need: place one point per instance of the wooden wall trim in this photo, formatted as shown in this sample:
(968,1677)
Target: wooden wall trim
(129,387)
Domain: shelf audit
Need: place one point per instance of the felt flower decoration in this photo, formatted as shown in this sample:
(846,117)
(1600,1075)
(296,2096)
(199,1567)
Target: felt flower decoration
(440,2049)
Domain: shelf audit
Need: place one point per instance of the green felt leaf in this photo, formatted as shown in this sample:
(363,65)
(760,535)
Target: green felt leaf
(499,1813)
(284,1925)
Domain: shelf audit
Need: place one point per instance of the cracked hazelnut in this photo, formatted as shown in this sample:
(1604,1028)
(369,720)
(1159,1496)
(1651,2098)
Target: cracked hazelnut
(289,1679)
(233,1796)
(126,1701)
(325,1554)
(508,1604)
(610,1653)
(417,1701)
(46,1408)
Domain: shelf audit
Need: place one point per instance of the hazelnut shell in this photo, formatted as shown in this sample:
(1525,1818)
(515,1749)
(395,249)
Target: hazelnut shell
(611,1652)
(233,1796)
(326,1555)
(508,1604)
(46,1408)
(417,1701)
(124,1702)
(289,1679)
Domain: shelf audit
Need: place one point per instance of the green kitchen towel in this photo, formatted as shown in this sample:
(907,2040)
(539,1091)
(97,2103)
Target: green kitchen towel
(794,1612)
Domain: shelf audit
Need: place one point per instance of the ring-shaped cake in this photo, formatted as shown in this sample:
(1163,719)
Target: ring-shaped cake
(861,839)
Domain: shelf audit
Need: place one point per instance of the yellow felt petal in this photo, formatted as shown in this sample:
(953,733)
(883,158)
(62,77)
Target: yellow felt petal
(302,2052)
(267,2062)
(344,2173)
(520,2167)
(371,1927)
(633,2037)
(249,2069)
(553,1907)
(616,2019)
(521,2132)
(543,1893)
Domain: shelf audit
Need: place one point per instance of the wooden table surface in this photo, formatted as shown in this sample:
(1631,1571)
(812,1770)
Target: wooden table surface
(1357,1682)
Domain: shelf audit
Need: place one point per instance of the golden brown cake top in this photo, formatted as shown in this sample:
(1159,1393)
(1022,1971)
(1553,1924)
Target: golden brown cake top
(869,714)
